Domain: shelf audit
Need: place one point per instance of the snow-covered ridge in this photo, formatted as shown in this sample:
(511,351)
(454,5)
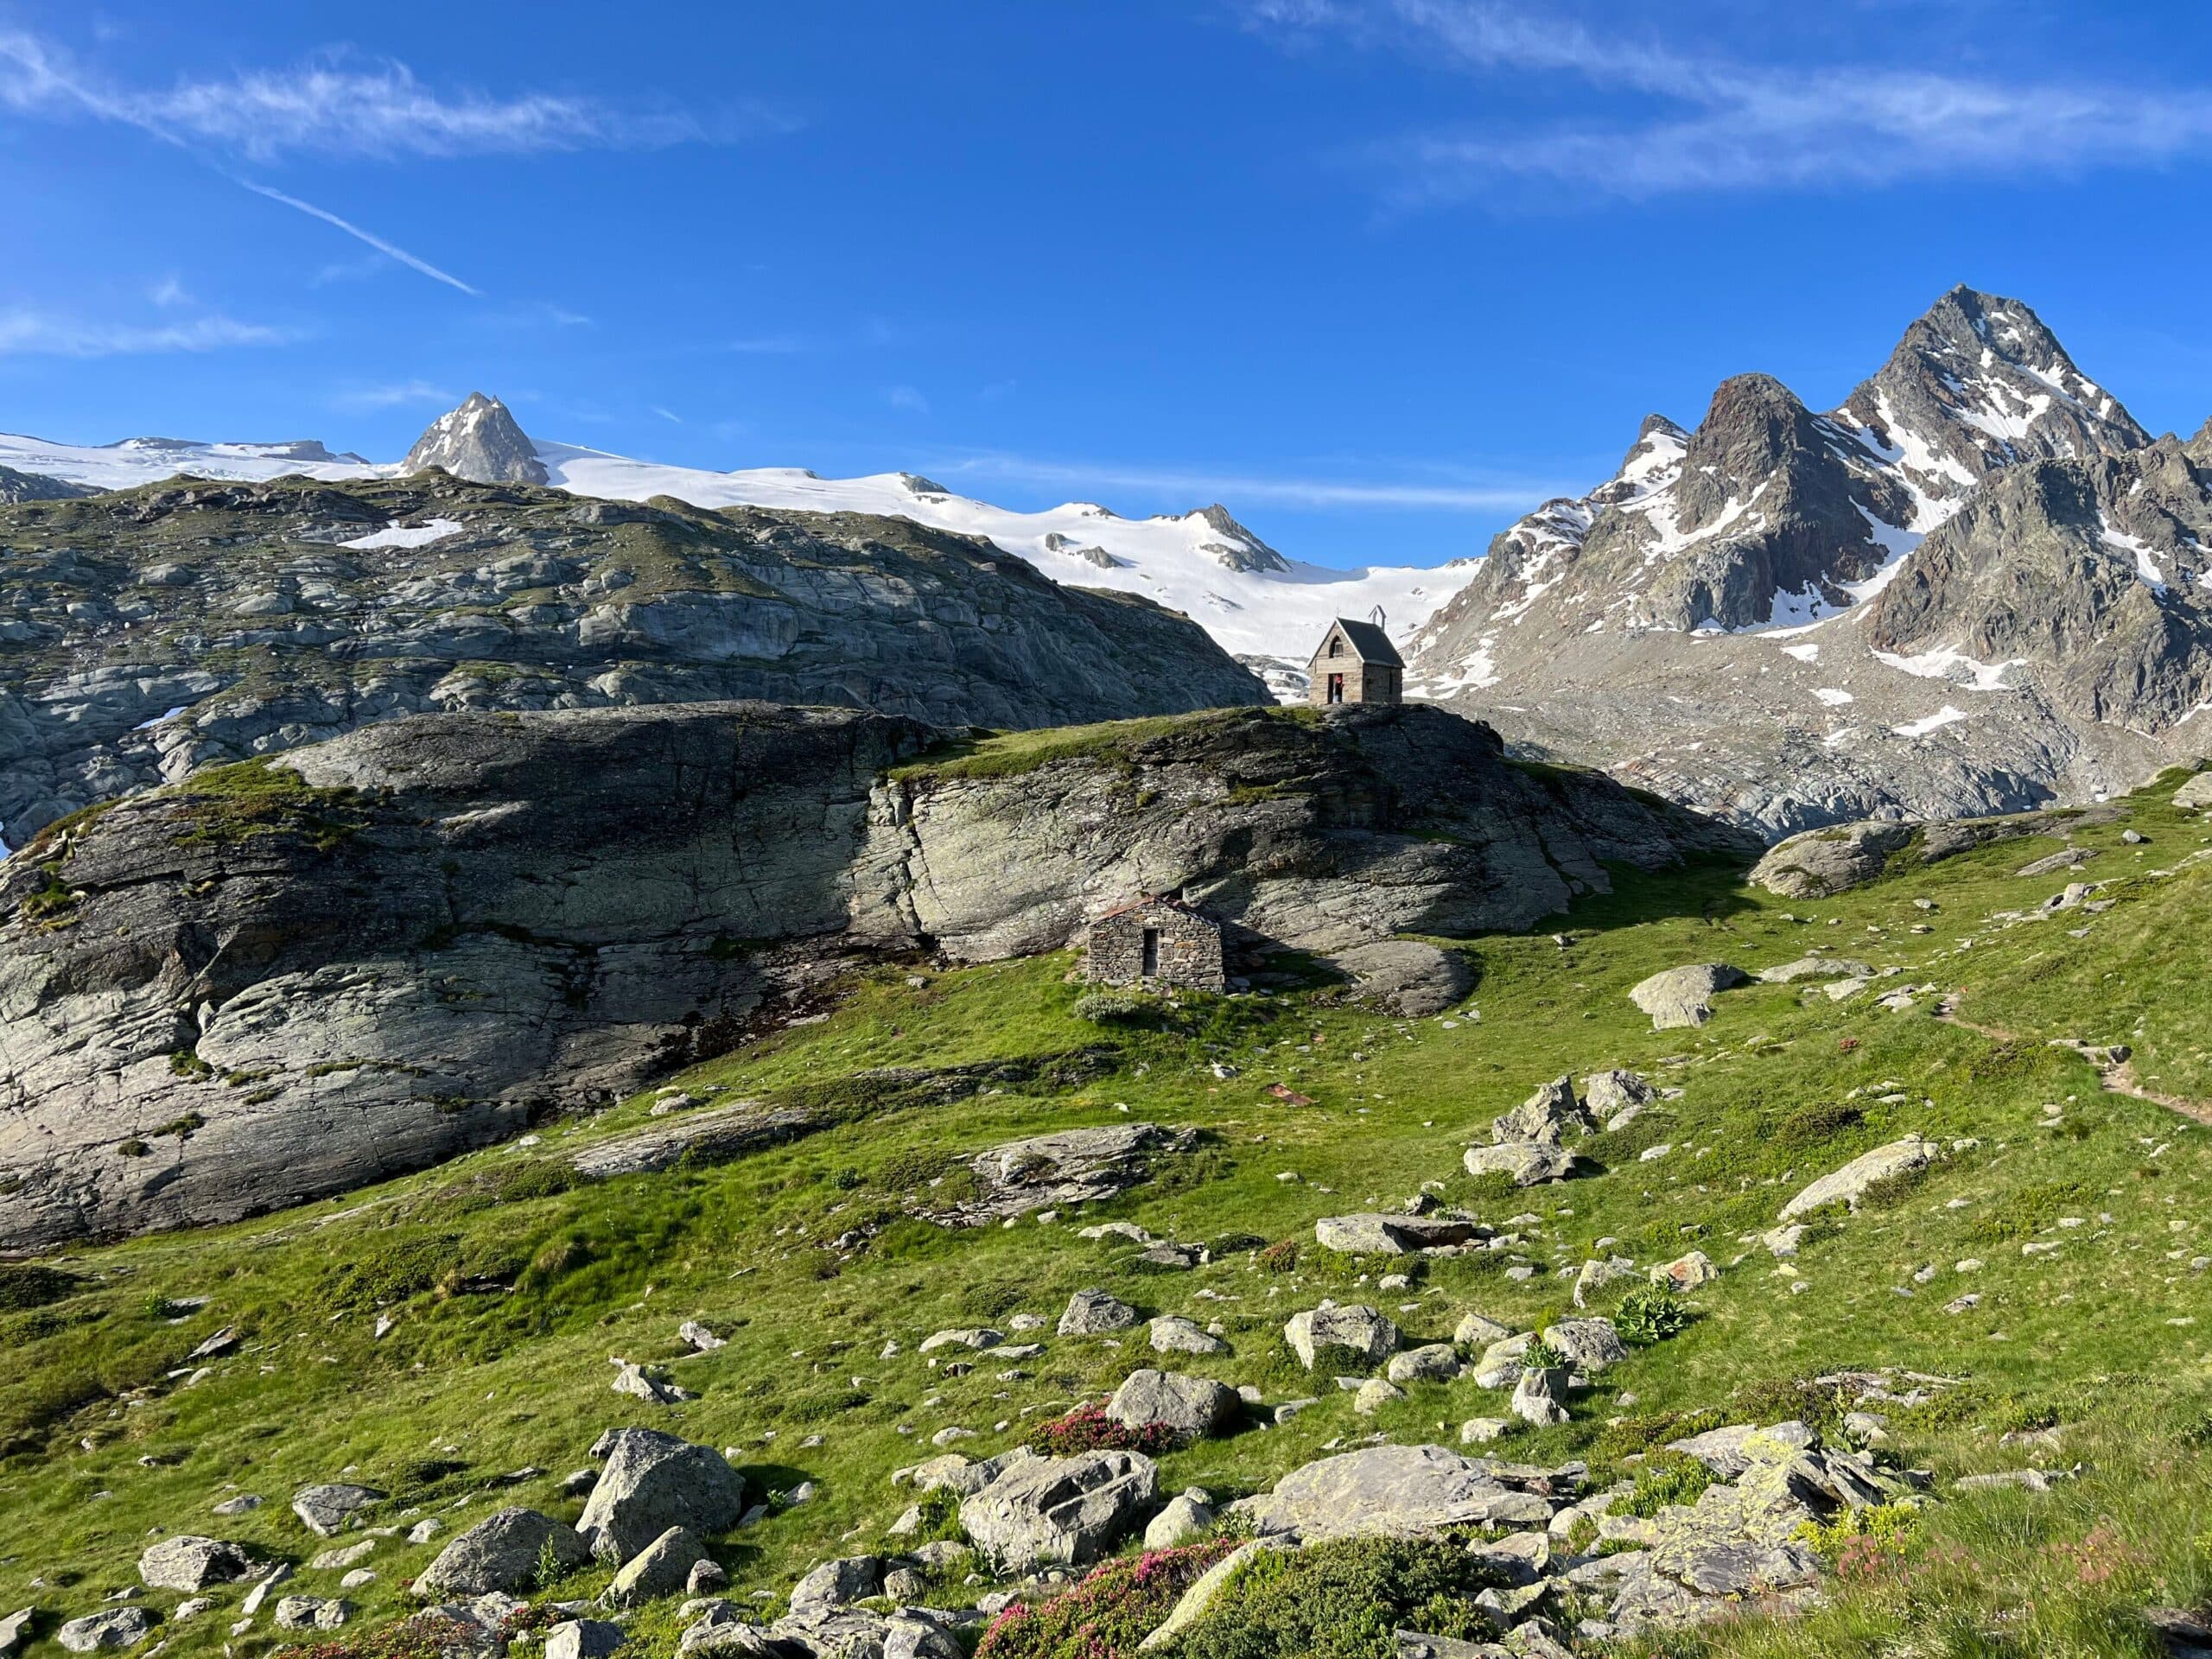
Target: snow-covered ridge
(1255,603)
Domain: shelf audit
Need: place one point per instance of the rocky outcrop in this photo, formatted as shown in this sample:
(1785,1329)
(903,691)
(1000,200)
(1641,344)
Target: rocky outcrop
(152,630)
(279,980)
(36,486)
(480,441)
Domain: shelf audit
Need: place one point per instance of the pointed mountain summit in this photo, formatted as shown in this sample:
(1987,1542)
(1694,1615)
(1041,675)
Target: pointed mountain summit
(1980,383)
(482,442)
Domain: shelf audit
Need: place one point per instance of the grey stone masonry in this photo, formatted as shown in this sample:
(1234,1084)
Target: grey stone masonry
(1159,942)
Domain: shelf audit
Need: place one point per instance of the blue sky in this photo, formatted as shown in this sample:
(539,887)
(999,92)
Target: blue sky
(1379,274)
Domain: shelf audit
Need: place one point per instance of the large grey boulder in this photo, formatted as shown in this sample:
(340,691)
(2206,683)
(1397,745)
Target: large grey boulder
(1062,1169)
(1397,1492)
(1848,1185)
(501,1552)
(1405,977)
(1683,996)
(2196,793)
(328,1509)
(1359,1329)
(120,1627)
(652,1482)
(1540,1396)
(661,1568)
(1060,1511)
(190,1563)
(583,1638)
(1384,1234)
(1824,862)
(1191,1406)
(1788,973)
(1608,1092)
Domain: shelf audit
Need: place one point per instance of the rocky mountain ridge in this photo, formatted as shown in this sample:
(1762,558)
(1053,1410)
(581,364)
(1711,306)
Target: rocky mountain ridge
(275,980)
(1779,616)
(148,631)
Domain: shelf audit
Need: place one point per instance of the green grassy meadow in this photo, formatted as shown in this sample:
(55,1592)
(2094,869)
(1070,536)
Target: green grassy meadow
(508,1285)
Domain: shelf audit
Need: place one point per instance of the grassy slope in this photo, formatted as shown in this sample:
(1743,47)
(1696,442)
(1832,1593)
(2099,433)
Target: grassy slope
(2100,1333)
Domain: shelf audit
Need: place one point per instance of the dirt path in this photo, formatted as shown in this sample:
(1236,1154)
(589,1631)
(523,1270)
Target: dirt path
(2116,1077)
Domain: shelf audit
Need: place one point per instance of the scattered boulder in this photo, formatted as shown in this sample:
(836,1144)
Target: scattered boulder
(1478,1330)
(1399,1492)
(1404,977)
(119,1627)
(501,1553)
(661,1568)
(12,1627)
(1394,1235)
(1596,1275)
(1848,1185)
(1592,1344)
(971,1336)
(1185,1518)
(188,1563)
(1685,1272)
(1788,973)
(641,1384)
(1174,1334)
(1683,996)
(1193,1407)
(1058,1511)
(1540,1397)
(1606,1093)
(1375,1394)
(1545,1115)
(312,1613)
(1438,1362)
(583,1638)
(1530,1163)
(327,1509)
(1095,1313)
(652,1482)
(697,1337)
(1064,1169)
(2196,793)
(1363,1331)
(838,1583)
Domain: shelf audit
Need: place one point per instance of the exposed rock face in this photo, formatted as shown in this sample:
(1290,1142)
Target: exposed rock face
(35,487)
(1405,977)
(1822,863)
(1970,590)
(1848,1185)
(482,442)
(412,939)
(152,630)
(1401,1491)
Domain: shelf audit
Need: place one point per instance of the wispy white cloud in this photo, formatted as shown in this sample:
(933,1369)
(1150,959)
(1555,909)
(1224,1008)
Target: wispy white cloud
(400,395)
(908,399)
(1199,484)
(340,105)
(24,332)
(668,414)
(168,293)
(391,251)
(1694,121)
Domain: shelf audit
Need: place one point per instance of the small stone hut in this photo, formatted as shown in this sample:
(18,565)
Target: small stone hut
(1159,942)
(1356,663)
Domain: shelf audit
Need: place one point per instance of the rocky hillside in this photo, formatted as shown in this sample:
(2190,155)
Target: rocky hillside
(1862,1292)
(150,631)
(480,440)
(1928,600)
(377,951)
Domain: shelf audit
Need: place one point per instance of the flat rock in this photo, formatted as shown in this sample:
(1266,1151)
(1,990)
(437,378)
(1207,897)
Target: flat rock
(1394,1235)
(1849,1184)
(1174,1334)
(1405,977)
(1064,1169)
(1399,1492)
(1530,1163)
(327,1509)
(119,1627)
(185,1562)
(1788,973)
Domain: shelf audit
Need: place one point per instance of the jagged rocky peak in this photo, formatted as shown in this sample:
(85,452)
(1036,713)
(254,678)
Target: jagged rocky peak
(1239,549)
(482,442)
(1980,383)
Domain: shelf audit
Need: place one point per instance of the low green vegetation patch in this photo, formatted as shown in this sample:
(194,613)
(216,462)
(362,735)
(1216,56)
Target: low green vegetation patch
(1009,754)
(225,806)
(1343,1600)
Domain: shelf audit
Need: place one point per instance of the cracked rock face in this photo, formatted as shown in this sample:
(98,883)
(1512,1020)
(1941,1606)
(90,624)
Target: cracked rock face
(275,981)
(151,631)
